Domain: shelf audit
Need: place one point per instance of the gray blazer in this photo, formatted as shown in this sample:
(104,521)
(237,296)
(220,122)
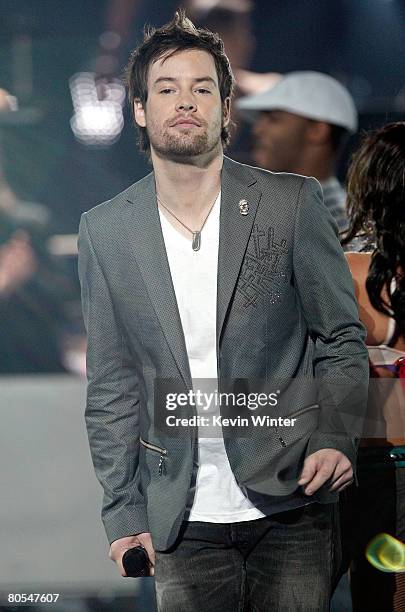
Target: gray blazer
(286,310)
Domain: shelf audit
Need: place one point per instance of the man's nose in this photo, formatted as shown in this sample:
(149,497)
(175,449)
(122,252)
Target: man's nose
(187,106)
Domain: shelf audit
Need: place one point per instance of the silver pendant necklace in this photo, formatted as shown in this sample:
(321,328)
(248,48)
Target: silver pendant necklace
(196,242)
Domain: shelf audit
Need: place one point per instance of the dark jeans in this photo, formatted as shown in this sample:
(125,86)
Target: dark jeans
(285,562)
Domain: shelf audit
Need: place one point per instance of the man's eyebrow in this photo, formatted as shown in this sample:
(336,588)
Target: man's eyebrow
(196,80)
(206,78)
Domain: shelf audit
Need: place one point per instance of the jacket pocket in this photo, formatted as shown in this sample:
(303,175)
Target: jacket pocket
(290,436)
(156,449)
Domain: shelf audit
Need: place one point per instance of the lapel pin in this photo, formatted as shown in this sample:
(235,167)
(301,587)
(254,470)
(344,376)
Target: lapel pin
(243,207)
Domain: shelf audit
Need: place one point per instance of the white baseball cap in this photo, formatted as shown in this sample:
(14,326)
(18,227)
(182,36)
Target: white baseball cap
(306,93)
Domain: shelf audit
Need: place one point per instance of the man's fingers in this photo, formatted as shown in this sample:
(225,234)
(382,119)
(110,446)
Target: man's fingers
(147,544)
(308,471)
(324,472)
(116,553)
(151,553)
(120,565)
(342,474)
(325,465)
(347,484)
(119,547)
(343,479)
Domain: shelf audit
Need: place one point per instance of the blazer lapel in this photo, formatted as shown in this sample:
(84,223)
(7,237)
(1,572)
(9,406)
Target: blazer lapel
(235,229)
(145,243)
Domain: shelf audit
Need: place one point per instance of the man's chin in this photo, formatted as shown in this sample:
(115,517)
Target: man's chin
(179,154)
(182,148)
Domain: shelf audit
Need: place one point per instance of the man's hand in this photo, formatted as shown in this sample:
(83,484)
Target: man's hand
(119,547)
(326,464)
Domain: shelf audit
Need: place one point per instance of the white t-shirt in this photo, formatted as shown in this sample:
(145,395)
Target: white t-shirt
(216,497)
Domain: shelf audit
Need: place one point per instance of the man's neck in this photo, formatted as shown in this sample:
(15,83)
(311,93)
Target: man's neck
(189,188)
(319,164)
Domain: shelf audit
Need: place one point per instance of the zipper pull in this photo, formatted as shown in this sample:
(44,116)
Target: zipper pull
(162,467)
(281,441)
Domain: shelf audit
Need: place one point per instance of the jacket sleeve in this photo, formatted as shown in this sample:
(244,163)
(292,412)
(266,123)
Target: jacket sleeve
(112,407)
(326,293)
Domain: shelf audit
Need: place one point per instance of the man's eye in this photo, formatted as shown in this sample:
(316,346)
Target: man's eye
(166,90)
(203,90)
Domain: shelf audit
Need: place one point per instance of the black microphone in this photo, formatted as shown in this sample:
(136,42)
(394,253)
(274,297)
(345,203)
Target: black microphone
(136,562)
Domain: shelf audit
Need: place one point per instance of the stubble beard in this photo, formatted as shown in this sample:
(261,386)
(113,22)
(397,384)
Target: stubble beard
(172,144)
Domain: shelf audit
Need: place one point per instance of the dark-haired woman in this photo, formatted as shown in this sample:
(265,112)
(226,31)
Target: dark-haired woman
(376,207)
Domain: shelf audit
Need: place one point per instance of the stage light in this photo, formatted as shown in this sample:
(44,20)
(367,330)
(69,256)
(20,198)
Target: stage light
(386,553)
(98,118)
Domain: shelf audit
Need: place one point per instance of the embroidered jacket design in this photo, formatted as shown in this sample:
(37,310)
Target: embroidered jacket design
(260,273)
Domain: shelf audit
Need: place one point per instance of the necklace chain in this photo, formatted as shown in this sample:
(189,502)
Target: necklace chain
(196,244)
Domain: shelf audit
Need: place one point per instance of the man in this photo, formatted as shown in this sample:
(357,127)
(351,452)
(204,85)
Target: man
(208,269)
(301,125)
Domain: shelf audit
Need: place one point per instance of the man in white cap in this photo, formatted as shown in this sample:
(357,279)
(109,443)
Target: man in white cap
(300,126)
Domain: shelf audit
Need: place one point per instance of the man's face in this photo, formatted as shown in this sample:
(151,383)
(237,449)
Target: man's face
(279,141)
(183,114)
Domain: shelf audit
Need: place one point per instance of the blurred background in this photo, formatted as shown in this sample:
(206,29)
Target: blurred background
(67,143)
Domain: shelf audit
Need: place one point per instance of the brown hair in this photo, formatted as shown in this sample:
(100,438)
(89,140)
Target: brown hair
(376,208)
(179,34)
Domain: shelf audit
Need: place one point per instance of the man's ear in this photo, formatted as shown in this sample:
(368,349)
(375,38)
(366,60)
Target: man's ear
(226,111)
(319,132)
(139,113)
